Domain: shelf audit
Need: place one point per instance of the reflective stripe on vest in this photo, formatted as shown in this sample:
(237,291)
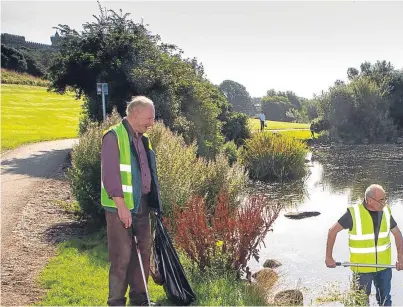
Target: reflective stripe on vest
(362,239)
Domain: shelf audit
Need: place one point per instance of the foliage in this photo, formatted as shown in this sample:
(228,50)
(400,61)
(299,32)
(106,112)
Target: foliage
(351,297)
(181,173)
(309,110)
(358,111)
(85,171)
(132,61)
(81,265)
(226,238)
(13,77)
(238,97)
(46,116)
(230,150)
(269,156)
(20,61)
(320,124)
(12,59)
(367,109)
(276,107)
(282,106)
(236,128)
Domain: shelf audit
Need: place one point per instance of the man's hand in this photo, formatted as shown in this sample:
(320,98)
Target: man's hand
(399,265)
(330,263)
(125,216)
(331,238)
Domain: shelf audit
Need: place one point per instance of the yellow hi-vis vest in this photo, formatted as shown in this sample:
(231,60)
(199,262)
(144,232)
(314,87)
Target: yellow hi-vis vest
(363,248)
(125,168)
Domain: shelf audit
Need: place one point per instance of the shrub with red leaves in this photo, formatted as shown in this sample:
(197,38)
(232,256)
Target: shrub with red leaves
(229,237)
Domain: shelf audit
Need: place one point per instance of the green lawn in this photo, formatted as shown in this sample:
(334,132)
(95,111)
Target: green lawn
(254,124)
(78,276)
(298,134)
(31,114)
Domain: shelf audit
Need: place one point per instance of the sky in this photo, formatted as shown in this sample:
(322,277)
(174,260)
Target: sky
(299,46)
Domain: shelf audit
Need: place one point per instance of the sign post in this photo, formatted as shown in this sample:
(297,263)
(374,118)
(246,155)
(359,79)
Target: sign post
(102,89)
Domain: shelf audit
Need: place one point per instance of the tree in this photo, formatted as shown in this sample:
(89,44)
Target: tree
(237,96)
(352,73)
(276,107)
(13,59)
(132,61)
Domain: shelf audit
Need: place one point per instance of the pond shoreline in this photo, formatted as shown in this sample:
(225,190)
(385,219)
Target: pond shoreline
(338,177)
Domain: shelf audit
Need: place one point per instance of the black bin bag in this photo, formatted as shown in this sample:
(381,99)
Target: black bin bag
(168,268)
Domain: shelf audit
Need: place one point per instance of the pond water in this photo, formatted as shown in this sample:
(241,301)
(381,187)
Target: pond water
(337,177)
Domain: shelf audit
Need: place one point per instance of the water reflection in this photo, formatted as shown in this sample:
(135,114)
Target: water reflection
(353,168)
(337,177)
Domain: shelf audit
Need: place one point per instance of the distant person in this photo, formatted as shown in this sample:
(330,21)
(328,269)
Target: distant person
(370,224)
(312,128)
(262,119)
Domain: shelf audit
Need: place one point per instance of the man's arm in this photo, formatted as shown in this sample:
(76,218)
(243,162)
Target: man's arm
(331,238)
(399,247)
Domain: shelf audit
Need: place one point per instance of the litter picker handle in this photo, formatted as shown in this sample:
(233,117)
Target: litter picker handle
(366,265)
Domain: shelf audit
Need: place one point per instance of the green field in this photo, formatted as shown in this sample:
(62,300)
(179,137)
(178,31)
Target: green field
(254,124)
(31,114)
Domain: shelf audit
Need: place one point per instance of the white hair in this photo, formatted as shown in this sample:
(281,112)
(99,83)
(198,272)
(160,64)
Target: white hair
(370,191)
(138,101)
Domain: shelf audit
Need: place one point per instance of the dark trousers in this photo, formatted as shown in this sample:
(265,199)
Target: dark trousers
(382,282)
(261,125)
(124,263)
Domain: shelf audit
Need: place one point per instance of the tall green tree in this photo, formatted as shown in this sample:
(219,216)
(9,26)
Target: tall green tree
(237,96)
(132,61)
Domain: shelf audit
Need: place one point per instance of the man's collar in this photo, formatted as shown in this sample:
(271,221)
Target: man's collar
(132,131)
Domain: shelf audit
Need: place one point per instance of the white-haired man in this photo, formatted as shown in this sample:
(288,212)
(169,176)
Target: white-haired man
(370,225)
(129,190)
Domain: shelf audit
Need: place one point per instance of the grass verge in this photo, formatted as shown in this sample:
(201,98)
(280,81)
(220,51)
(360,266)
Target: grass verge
(78,275)
(13,77)
(31,114)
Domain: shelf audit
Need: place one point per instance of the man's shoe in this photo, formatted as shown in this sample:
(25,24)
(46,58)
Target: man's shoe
(151,304)
(144,303)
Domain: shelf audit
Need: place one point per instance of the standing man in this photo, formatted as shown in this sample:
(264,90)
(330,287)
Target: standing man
(312,128)
(262,119)
(129,190)
(370,225)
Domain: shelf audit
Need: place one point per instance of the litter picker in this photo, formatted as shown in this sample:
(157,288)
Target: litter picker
(346,264)
(141,263)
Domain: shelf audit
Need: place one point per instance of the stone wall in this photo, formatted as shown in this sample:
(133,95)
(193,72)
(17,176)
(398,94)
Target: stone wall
(12,40)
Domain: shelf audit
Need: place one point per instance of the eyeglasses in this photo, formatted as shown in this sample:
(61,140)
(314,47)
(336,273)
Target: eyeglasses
(381,201)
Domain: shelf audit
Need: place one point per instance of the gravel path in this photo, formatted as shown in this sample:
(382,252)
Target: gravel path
(32,219)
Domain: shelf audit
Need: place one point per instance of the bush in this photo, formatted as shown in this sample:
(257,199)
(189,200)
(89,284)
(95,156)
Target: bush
(320,124)
(181,174)
(358,112)
(217,175)
(226,238)
(270,156)
(85,171)
(236,128)
(231,152)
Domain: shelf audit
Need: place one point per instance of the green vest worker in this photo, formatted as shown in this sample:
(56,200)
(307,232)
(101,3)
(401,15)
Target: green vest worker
(370,225)
(129,190)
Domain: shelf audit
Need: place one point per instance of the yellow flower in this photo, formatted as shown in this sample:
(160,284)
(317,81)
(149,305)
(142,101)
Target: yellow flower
(219,243)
